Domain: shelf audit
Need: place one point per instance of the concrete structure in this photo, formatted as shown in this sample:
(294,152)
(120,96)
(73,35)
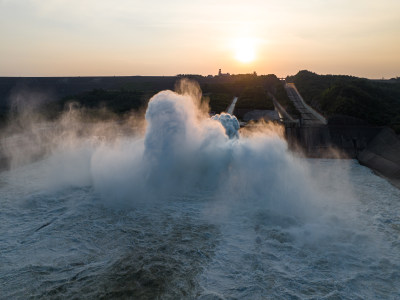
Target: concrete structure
(383,155)
(283,114)
(308,115)
(231,107)
(343,137)
(332,140)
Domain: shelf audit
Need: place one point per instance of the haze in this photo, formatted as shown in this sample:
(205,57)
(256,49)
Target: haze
(124,37)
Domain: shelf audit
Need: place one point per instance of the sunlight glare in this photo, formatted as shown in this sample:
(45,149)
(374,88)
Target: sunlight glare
(245,50)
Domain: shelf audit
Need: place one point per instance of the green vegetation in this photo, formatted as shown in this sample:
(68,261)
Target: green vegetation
(219,101)
(375,101)
(254,97)
(100,103)
(250,88)
(103,97)
(134,93)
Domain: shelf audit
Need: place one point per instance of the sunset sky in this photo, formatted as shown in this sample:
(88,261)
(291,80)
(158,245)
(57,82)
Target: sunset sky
(154,37)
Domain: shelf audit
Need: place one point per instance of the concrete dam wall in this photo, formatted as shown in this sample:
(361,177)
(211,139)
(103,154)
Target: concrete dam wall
(383,155)
(375,147)
(344,141)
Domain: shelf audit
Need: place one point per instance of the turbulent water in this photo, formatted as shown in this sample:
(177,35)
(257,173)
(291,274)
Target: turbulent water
(65,243)
(184,212)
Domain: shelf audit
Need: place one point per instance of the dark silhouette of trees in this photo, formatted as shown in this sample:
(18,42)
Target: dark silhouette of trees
(375,101)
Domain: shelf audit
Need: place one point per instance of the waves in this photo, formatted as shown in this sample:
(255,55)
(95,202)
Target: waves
(183,210)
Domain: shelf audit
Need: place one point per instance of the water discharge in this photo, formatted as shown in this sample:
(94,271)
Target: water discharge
(194,208)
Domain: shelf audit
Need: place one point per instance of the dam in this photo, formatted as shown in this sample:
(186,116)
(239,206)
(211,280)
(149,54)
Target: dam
(185,211)
(376,147)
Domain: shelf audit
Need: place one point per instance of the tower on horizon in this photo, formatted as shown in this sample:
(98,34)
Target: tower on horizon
(222,74)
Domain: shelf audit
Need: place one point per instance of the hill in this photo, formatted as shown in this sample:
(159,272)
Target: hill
(375,101)
(120,95)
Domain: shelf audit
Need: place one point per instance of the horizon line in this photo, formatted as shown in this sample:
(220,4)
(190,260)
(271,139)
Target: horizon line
(187,74)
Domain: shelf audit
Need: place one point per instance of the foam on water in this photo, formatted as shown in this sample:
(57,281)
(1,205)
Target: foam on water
(185,211)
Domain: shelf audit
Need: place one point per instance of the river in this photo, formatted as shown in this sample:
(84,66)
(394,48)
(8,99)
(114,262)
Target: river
(184,211)
(65,243)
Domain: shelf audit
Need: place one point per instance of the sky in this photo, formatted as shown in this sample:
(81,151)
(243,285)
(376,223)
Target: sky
(156,37)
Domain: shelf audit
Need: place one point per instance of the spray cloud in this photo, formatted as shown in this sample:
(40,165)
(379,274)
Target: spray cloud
(182,150)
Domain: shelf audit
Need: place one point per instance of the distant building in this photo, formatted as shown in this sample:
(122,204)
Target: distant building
(223,74)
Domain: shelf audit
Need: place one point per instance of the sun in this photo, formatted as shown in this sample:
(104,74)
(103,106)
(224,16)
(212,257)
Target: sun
(245,50)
